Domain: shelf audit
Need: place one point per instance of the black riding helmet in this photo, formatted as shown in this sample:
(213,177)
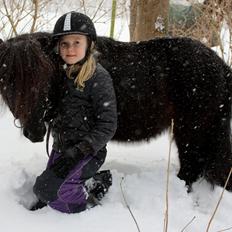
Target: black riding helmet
(74,23)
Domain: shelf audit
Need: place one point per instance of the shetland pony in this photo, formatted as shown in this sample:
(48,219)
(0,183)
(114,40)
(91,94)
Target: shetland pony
(155,81)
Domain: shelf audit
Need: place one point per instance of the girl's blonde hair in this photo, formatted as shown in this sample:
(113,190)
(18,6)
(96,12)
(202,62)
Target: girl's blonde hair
(85,71)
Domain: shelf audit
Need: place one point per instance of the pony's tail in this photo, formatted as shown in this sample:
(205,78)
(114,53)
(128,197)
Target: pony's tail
(25,73)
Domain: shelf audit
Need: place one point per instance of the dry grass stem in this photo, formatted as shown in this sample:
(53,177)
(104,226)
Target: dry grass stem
(188,223)
(128,207)
(225,229)
(219,201)
(165,229)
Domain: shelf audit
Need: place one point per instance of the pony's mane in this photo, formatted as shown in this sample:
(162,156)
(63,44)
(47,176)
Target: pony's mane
(106,45)
(26,69)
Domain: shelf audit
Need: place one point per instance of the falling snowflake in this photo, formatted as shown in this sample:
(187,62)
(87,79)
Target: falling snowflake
(106,104)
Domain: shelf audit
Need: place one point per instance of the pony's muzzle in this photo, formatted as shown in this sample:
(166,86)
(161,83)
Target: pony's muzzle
(35,138)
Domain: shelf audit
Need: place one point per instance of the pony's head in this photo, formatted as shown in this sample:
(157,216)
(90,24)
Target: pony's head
(25,73)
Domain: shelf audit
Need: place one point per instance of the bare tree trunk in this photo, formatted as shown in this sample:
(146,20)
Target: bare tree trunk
(133,12)
(148,19)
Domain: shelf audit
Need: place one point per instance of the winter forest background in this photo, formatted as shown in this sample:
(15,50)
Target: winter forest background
(139,170)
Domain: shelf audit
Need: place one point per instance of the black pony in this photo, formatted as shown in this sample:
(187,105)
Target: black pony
(155,81)
(174,78)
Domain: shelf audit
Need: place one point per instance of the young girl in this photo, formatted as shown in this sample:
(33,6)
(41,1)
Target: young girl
(84,122)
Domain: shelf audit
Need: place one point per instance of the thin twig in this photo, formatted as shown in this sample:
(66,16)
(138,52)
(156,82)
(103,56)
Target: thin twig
(168,174)
(188,223)
(128,207)
(219,201)
(225,229)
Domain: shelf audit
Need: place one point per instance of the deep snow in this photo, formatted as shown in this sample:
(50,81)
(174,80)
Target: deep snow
(143,167)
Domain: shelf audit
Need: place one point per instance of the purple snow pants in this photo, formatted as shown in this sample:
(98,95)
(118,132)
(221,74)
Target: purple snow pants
(71,193)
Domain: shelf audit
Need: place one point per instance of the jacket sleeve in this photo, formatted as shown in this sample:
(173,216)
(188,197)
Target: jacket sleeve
(105,111)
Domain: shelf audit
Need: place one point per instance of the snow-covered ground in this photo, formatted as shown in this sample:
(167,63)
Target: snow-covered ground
(138,169)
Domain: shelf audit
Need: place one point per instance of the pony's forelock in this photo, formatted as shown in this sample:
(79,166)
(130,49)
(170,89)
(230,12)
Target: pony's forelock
(27,70)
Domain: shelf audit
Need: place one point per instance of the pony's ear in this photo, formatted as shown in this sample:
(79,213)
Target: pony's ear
(1,41)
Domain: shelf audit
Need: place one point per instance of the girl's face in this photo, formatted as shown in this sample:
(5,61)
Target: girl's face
(72,48)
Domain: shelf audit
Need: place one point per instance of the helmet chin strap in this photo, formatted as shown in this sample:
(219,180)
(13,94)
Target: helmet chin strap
(83,60)
(87,53)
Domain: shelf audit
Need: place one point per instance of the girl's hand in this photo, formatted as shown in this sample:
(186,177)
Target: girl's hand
(67,161)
